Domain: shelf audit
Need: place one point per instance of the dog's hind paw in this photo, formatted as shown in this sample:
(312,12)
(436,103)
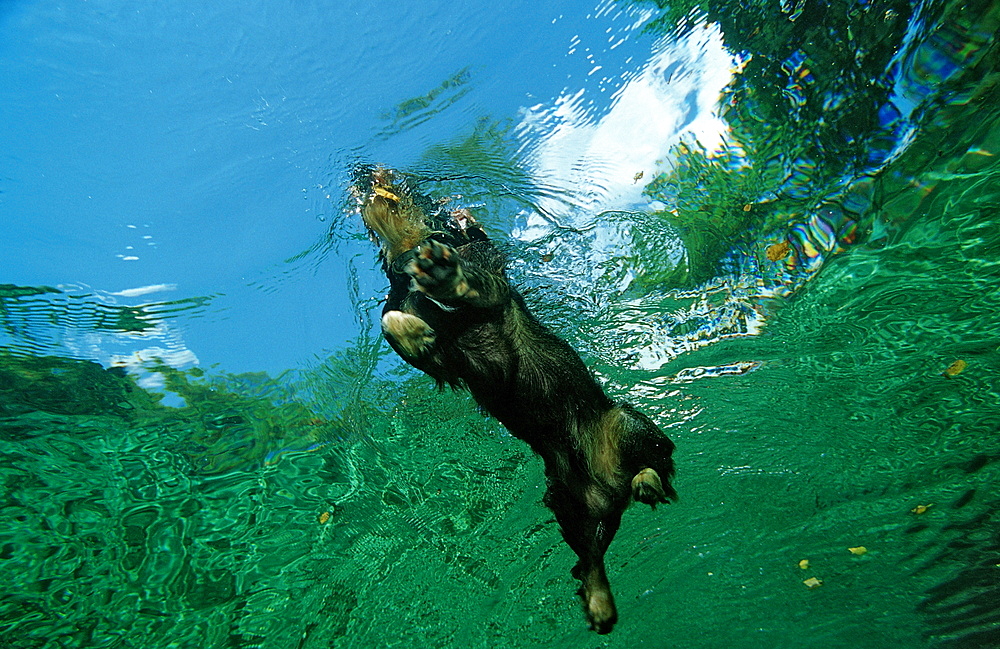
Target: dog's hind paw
(412,335)
(436,271)
(648,488)
(599,607)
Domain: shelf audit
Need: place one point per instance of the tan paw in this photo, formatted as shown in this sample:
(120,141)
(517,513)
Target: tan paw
(601,612)
(648,488)
(411,334)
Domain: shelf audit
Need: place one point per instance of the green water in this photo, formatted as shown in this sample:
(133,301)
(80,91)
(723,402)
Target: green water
(350,505)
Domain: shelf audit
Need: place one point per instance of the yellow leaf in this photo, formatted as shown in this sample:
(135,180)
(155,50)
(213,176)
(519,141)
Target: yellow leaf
(956,368)
(385,193)
(777,251)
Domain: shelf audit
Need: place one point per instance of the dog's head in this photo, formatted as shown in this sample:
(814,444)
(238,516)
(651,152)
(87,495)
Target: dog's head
(387,205)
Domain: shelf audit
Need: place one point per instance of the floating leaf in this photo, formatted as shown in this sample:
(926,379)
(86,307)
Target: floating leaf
(385,193)
(858,551)
(813,582)
(956,368)
(804,564)
(778,251)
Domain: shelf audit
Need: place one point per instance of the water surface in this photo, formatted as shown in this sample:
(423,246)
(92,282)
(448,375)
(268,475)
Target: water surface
(771,226)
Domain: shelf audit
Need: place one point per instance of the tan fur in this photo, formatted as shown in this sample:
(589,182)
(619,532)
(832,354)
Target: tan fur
(389,211)
(601,446)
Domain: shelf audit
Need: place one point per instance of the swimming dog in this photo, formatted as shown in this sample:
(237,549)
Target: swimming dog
(452,313)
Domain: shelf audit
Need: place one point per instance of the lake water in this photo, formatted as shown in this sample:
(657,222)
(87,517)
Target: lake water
(773,226)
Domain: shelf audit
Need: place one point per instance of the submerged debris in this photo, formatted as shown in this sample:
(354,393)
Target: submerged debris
(920,509)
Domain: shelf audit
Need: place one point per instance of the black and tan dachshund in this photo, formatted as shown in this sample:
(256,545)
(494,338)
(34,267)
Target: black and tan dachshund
(452,314)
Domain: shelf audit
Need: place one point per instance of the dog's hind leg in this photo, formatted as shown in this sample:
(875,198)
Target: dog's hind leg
(648,452)
(588,529)
(648,488)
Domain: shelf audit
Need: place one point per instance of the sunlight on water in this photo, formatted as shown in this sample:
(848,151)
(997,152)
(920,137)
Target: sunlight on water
(76,322)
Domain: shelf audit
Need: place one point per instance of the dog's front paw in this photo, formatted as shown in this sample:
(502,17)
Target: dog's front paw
(437,271)
(412,335)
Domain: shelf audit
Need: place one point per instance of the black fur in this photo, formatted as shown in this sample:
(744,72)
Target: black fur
(452,313)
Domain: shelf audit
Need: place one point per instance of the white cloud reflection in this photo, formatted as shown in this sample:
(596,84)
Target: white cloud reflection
(591,162)
(145,290)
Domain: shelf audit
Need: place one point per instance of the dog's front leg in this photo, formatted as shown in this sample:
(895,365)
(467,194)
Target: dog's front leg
(441,272)
(408,334)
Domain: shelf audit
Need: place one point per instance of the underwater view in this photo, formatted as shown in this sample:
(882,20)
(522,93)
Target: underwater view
(772,226)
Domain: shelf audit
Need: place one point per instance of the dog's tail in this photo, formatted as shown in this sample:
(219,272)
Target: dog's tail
(389,210)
